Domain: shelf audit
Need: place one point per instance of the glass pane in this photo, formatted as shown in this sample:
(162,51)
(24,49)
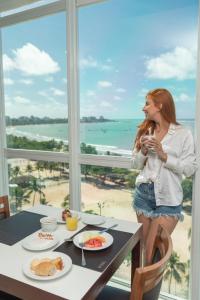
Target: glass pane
(34,70)
(138,47)
(37,182)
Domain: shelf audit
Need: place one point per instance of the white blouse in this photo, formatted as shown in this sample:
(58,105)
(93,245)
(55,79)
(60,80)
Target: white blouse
(178,143)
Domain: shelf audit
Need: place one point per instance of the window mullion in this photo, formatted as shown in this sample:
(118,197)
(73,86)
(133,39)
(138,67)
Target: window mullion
(73,105)
(195,249)
(3,161)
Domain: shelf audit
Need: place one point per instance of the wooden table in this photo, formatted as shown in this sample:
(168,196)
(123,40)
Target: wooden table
(80,282)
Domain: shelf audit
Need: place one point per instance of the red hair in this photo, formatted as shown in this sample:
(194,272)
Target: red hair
(168,112)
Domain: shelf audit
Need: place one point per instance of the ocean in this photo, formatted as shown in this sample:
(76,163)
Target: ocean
(117,136)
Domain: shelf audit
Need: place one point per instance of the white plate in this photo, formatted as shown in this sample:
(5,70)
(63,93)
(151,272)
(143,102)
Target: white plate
(34,243)
(82,236)
(65,258)
(92,219)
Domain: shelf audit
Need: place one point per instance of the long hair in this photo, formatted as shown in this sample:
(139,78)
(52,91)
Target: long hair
(168,112)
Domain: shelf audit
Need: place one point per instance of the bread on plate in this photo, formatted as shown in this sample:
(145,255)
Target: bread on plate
(46,266)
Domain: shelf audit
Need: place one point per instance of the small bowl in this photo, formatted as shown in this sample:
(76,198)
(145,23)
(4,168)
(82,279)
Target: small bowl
(48,224)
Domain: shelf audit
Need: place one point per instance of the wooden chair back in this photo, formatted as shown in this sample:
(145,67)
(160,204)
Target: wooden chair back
(147,279)
(4,207)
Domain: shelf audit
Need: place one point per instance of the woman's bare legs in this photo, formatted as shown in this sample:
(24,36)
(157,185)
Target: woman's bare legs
(168,222)
(146,224)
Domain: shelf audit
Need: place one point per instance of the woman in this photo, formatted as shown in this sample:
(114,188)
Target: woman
(163,151)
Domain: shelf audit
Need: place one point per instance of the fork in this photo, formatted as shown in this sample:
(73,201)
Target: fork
(83,261)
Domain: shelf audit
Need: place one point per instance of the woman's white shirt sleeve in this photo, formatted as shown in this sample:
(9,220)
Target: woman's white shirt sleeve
(186,162)
(138,159)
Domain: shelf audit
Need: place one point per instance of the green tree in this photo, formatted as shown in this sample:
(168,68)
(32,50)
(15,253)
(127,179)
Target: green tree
(35,187)
(87,149)
(16,171)
(20,197)
(187,195)
(65,203)
(100,206)
(29,169)
(175,268)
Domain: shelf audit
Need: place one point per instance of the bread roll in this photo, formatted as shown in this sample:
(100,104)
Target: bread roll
(45,268)
(58,263)
(34,263)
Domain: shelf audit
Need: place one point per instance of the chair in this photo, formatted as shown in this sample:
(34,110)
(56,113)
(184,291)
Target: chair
(5,213)
(4,207)
(147,281)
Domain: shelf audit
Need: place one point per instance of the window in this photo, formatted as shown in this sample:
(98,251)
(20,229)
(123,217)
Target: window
(135,49)
(139,46)
(35,84)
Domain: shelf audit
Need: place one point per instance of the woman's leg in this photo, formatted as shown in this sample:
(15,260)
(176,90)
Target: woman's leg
(168,222)
(146,225)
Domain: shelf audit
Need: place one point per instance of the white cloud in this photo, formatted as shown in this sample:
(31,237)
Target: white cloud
(183,98)
(90,93)
(21,100)
(26,81)
(117,98)
(179,64)
(31,61)
(120,90)
(143,93)
(104,84)
(8,63)
(90,62)
(49,79)
(57,92)
(43,93)
(105,104)
(8,81)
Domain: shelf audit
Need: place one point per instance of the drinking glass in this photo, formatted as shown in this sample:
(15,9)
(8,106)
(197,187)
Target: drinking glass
(72,222)
(147,137)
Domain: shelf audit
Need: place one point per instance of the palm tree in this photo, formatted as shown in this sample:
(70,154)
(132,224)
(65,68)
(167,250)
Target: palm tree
(20,197)
(29,169)
(35,187)
(65,203)
(39,167)
(100,206)
(174,270)
(16,171)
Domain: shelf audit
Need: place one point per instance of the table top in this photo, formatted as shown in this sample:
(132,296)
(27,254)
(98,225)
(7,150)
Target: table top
(78,281)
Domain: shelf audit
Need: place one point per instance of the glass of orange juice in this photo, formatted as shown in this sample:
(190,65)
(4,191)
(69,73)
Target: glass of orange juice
(72,222)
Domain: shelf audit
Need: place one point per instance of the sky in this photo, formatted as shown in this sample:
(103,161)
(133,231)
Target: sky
(126,48)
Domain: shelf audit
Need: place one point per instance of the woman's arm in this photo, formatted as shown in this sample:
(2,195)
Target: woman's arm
(186,163)
(138,159)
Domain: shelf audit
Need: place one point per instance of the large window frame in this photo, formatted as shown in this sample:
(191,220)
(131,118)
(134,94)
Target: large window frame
(74,157)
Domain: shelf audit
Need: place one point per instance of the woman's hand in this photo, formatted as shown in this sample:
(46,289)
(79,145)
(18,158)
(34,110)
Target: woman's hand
(154,144)
(143,143)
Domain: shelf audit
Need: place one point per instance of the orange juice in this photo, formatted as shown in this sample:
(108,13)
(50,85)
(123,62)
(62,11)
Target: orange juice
(72,223)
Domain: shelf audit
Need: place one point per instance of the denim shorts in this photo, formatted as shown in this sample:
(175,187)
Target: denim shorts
(145,203)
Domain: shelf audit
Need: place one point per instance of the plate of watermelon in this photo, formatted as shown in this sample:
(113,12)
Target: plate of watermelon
(91,240)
